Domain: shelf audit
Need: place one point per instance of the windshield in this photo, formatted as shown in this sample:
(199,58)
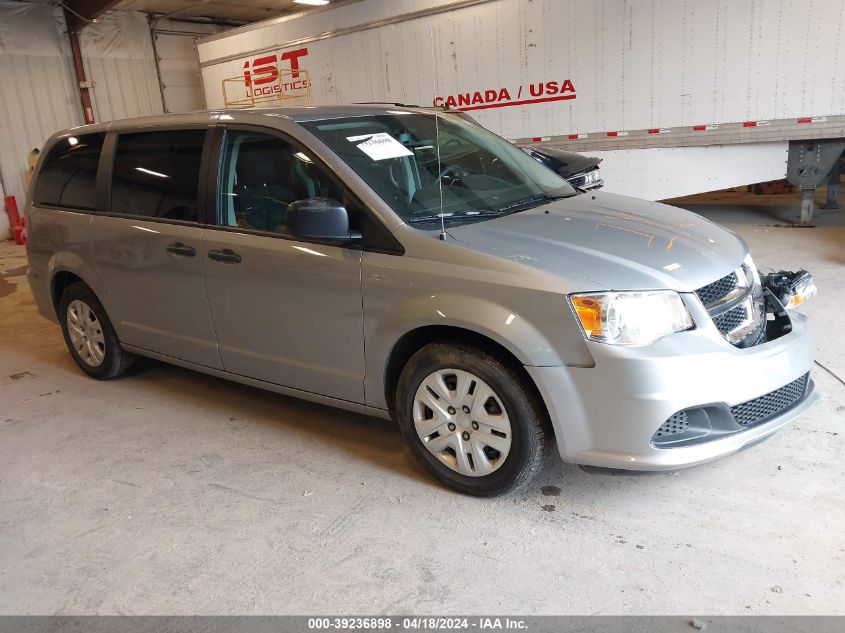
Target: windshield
(478,176)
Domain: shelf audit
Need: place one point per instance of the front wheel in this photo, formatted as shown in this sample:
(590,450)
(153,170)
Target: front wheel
(470,419)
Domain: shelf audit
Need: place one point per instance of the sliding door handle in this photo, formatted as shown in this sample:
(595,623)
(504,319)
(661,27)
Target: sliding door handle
(225,255)
(177,248)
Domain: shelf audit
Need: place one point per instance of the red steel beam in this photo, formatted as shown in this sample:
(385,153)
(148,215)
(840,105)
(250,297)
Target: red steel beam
(79,69)
(79,13)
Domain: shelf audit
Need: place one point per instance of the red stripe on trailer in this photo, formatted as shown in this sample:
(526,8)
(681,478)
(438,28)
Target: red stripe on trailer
(750,124)
(613,133)
(654,130)
(699,128)
(805,119)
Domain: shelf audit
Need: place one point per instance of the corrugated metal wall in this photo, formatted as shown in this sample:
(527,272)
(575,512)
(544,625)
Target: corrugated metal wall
(178,64)
(39,95)
(119,59)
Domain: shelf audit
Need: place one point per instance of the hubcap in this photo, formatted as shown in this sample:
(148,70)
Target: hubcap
(86,333)
(462,422)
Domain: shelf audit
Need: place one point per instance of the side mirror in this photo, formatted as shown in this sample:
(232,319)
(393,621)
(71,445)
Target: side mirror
(319,219)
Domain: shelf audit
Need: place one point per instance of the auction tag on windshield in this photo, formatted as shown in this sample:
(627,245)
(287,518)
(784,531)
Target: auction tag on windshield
(380,146)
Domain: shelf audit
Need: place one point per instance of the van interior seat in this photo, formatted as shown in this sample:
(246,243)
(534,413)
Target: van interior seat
(261,199)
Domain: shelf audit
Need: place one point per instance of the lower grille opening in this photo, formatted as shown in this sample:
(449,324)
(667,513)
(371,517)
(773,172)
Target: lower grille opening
(682,428)
(704,424)
(677,423)
(774,403)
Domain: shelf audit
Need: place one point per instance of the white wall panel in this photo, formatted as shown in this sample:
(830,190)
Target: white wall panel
(38,94)
(119,59)
(178,63)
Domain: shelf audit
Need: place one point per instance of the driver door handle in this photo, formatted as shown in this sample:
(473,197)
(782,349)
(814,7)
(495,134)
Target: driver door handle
(225,255)
(178,248)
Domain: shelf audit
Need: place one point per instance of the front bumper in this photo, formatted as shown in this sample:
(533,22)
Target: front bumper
(607,415)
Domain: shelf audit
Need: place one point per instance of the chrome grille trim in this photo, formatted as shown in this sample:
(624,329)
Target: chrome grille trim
(735,304)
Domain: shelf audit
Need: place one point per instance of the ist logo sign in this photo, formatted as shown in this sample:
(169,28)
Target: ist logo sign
(263,77)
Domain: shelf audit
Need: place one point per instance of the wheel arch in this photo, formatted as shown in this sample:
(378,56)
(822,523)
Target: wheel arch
(414,340)
(66,268)
(59,282)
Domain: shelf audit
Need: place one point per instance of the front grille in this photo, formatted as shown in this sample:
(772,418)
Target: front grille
(774,403)
(728,321)
(677,423)
(736,307)
(719,289)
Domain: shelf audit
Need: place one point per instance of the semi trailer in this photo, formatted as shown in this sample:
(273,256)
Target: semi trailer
(676,98)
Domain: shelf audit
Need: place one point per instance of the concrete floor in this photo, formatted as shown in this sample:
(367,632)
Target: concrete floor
(173,492)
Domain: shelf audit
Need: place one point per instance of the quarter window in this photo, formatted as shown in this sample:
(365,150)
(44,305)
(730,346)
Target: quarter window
(261,175)
(156,174)
(69,176)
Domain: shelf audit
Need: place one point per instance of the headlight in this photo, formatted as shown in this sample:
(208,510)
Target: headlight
(592,177)
(791,288)
(586,180)
(803,288)
(630,318)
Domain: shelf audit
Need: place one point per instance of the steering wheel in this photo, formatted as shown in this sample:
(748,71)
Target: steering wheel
(451,170)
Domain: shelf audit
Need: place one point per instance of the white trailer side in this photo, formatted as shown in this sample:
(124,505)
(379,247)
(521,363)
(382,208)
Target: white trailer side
(582,74)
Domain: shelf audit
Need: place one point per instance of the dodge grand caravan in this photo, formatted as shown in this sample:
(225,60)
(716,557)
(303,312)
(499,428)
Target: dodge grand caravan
(408,264)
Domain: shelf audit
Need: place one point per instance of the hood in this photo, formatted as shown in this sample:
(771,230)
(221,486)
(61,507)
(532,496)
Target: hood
(567,163)
(616,242)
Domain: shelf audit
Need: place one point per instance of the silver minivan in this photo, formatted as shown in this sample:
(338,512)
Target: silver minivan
(410,264)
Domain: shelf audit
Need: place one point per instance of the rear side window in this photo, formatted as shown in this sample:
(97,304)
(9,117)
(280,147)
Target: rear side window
(68,177)
(156,174)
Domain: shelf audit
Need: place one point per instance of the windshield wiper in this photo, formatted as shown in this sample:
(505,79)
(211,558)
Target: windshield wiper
(519,205)
(467,213)
(531,201)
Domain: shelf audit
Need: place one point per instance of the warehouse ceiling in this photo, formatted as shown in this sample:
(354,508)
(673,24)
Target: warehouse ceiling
(230,10)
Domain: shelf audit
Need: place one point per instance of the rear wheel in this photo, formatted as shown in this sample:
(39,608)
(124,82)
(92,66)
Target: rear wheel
(89,335)
(470,419)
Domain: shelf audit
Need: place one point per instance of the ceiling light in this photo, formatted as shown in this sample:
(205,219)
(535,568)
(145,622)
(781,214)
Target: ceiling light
(313,2)
(157,174)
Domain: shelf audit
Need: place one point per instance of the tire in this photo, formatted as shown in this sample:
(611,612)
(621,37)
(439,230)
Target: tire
(498,460)
(92,342)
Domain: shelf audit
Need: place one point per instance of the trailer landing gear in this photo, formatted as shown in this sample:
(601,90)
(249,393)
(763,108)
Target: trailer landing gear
(810,164)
